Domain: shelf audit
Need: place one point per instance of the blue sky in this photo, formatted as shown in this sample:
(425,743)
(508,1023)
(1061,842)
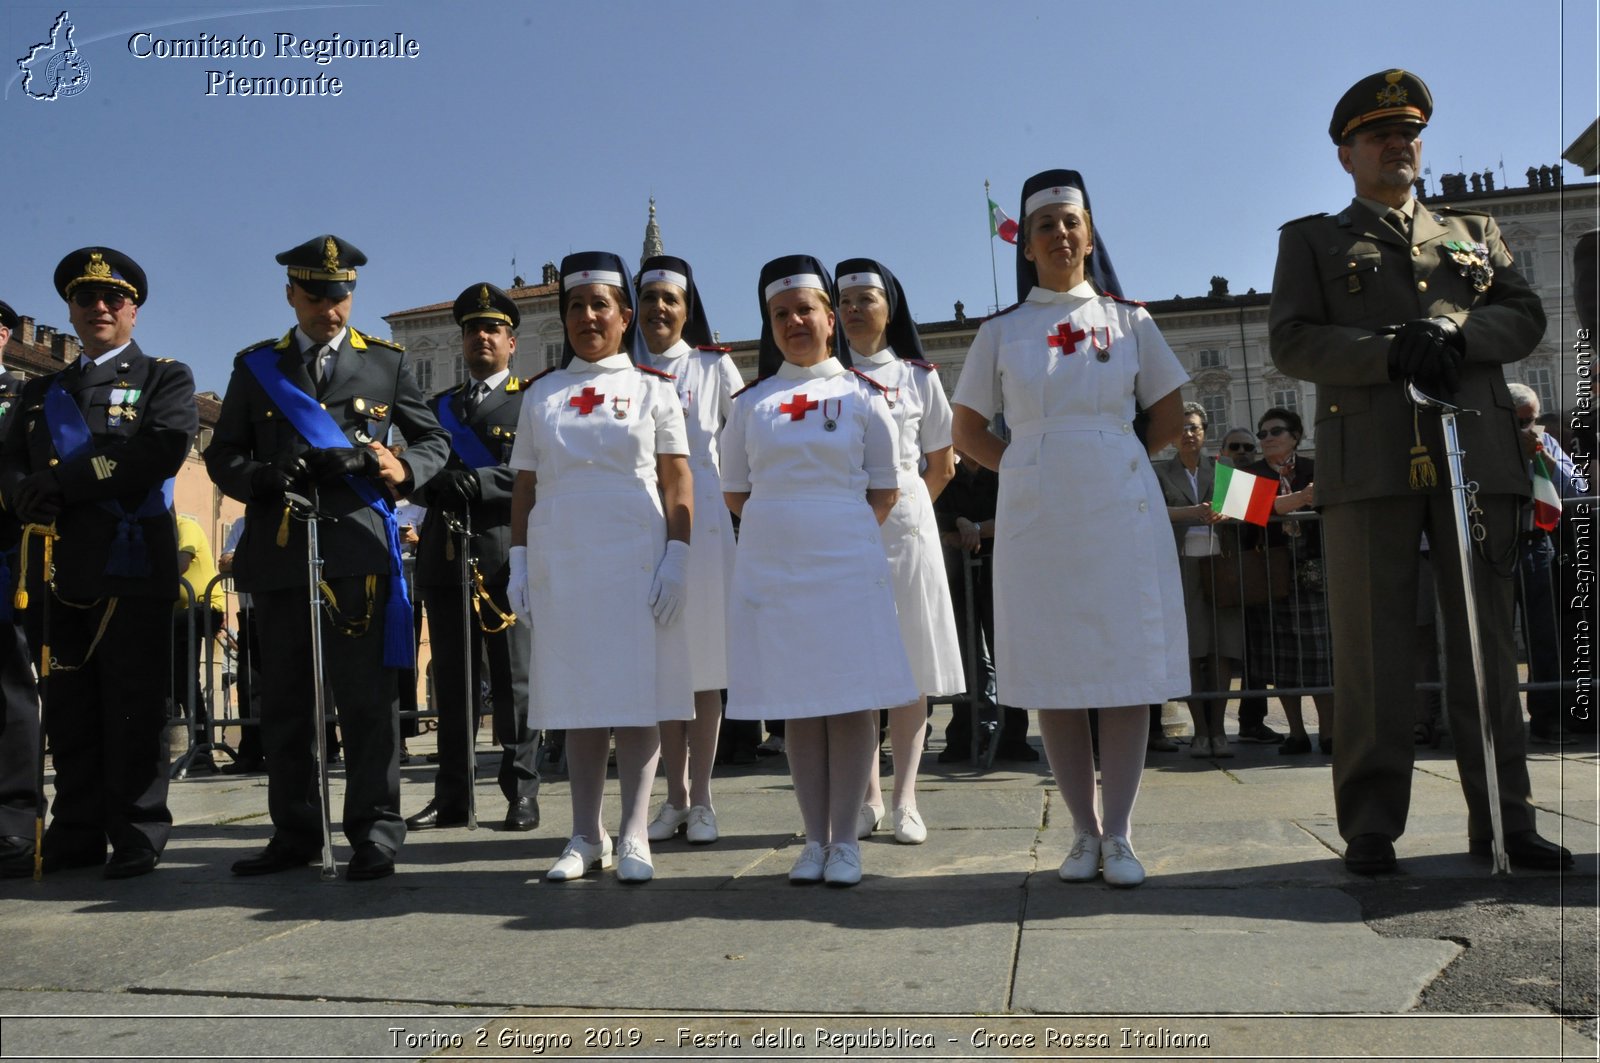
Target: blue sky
(837,129)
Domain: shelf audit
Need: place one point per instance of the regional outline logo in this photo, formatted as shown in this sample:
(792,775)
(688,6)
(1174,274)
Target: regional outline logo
(66,71)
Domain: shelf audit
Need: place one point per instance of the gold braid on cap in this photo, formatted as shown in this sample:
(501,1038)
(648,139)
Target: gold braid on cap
(330,270)
(485,308)
(98,271)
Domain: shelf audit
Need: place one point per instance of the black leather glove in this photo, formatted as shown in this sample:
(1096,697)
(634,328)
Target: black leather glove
(269,482)
(455,489)
(38,499)
(1427,351)
(335,463)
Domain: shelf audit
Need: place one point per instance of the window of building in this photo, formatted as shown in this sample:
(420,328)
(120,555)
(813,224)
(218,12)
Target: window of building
(1208,358)
(1538,378)
(1216,413)
(424,372)
(552,354)
(1528,265)
(1287,399)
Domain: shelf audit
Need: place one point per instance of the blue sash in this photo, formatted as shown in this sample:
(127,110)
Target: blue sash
(463,440)
(69,434)
(308,418)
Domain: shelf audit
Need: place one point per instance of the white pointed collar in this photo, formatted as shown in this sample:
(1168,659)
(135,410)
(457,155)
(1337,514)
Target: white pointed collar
(883,357)
(1075,296)
(611,363)
(677,350)
(826,369)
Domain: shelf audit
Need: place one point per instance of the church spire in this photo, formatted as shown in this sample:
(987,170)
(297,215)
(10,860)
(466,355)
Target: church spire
(652,236)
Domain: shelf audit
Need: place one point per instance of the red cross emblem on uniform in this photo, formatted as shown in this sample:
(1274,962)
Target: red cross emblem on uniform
(796,407)
(1066,337)
(586,401)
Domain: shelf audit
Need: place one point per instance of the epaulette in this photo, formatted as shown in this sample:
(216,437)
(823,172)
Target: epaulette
(663,374)
(1124,302)
(862,376)
(920,364)
(393,346)
(539,376)
(712,348)
(1308,217)
(257,345)
(164,359)
(1003,313)
(1461,210)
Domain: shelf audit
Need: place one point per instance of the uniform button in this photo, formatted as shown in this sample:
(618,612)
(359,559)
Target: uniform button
(1422,286)
(1127,428)
(1143,506)
(1133,466)
(1416,252)
(1333,408)
(54,462)
(324,405)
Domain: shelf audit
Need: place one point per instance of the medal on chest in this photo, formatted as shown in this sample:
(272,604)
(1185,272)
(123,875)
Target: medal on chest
(892,395)
(831,410)
(1472,262)
(620,406)
(1067,336)
(122,406)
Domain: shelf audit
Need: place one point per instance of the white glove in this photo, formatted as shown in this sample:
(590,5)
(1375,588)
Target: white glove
(517,588)
(672,574)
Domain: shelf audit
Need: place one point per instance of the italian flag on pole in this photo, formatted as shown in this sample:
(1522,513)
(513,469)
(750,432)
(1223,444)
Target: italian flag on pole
(1243,495)
(1000,225)
(1546,499)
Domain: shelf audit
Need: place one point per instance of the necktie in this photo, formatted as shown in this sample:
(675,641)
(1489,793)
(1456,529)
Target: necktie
(475,395)
(1398,222)
(318,363)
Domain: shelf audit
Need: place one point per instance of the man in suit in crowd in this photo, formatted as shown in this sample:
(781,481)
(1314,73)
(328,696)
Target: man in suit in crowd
(309,414)
(1387,291)
(92,449)
(481,417)
(19,716)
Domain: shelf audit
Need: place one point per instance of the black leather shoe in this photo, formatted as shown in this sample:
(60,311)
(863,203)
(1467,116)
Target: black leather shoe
(1527,850)
(522,814)
(57,859)
(433,816)
(1369,854)
(131,863)
(16,857)
(245,766)
(277,856)
(369,861)
(202,765)
(952,753)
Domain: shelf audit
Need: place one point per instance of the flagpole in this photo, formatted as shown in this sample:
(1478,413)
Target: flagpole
(994,276)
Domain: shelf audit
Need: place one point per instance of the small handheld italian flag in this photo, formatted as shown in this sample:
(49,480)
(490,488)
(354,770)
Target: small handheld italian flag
(1546,499)
(1243,496)
(1000,225)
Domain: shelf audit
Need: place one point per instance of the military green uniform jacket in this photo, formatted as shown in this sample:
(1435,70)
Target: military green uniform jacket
(371,389)
(136,444)
(1343,277)
(494,422)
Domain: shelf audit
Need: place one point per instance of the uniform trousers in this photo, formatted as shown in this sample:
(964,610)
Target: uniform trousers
(106,721)
(508,653)
(1372,548)
(19,734)
(367,695)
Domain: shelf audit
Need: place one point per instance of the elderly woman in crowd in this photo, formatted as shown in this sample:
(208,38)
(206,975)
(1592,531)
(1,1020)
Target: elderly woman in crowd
(1088,598)
(808,465)
(1288,638)
(1216,633)
(884,346)
(677,333)
(600,516)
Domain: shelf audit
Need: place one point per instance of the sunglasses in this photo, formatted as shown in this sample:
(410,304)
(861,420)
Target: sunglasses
(1272,433)
(86,298)
(1242,447)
